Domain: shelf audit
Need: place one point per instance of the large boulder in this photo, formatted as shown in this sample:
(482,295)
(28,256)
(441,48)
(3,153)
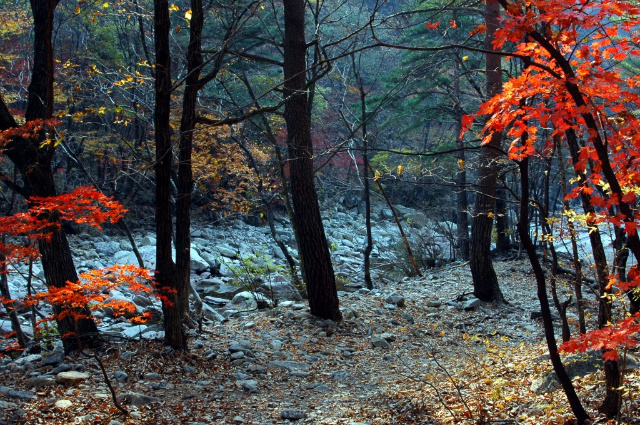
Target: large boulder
(279,290)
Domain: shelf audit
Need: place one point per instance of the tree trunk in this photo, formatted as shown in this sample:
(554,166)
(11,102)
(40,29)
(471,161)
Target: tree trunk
(166,271)
(523,229)
(365,175)
(462,201)
(185,170)
(318,270)
(485,282)
(33,157)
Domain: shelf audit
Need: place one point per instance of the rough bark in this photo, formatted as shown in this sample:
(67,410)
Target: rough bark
(185,170)
(318,270)
(462,201)
(485,281)
(166,272)
(366,193)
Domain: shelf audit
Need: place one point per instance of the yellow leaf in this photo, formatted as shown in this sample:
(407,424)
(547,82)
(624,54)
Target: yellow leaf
(464,58)
(400,168)
(187,15)
(101,110)
(490,215)
(105,5)
(173,8)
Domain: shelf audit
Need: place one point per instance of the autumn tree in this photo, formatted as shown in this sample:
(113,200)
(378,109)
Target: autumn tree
(31,150)
(485,281)
(573,83)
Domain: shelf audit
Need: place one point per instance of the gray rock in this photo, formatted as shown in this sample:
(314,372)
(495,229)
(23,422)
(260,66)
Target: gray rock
(197,262)
(137,399)
(121,376)
(395,299)
(223,291)
(340,375)
(408,318)
(19,395)
(71,378)
(249,385)
(212,314)
(287,364)
(434,303)
(40,381)
(280,291)
(380,342)
(472,304)
(52,359)
(107,248)
(28,359)
(349,314)
(292,414)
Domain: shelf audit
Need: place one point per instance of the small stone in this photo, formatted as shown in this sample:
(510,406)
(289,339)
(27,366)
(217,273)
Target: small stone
(63,404)
(340,375)
(136,399)
(472,304)
(289,365)
(292,414)
(434,304)
(189,369)
(349,314)
(40,381)
(395,299)
(71,378)
(408,318)
(380,342)
(121,376)
(249,385)
(237,355)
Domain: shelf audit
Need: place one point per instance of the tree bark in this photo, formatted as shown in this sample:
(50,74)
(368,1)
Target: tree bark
(318,270)
(462,201)
(185,169)
(166,271)
(485,281)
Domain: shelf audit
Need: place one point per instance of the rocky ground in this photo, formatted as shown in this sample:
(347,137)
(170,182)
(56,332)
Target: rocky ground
(410,351)
(413,350)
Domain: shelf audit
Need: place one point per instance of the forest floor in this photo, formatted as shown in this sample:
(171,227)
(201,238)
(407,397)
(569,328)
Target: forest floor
(444,364)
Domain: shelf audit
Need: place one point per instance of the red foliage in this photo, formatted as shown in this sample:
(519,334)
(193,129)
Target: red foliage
(85,205)
(572,80)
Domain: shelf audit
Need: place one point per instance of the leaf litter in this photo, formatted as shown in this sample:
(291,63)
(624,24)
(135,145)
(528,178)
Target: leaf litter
(444,365)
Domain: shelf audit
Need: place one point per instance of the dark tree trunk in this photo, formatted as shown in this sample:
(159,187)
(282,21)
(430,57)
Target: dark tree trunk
(365,175)
(523,229)
(166,272)
(462,201)
(33,157)
(485,281)
(611,402)
(577,283)
(185,171)
(318,270)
